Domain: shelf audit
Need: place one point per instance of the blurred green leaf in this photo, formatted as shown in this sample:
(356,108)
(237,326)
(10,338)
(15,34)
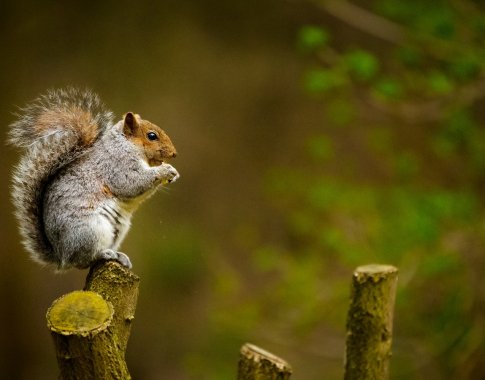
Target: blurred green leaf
(388,88)
(439,83)
(311,37)
(361,63)
(322,80)
(440,23)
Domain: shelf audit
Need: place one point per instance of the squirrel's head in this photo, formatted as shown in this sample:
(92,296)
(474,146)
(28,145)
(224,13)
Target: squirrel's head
(151,139)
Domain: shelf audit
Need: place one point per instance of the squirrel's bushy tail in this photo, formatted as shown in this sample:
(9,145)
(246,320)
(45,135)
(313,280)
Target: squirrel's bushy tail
(54,130)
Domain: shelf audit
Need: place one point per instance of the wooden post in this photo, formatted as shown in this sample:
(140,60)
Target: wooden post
(91,328)
(369,322)
(258,364)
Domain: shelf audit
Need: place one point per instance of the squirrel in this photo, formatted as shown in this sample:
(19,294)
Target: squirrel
(82,176)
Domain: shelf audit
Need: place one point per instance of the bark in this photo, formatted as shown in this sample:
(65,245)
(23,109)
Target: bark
(90,328)
(118,285)
(369,322)
(258,364)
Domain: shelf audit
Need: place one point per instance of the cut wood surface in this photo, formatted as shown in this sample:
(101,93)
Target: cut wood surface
(258,364)
(91,328)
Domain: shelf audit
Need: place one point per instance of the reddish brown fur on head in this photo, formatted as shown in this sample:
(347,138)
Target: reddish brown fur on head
(155,143)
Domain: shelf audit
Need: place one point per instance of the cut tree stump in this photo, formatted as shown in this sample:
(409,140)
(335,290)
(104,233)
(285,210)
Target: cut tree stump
(369,322)
(258,364)
(118,285)
(91,328)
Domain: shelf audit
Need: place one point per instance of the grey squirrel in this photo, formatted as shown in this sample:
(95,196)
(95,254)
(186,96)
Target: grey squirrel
(82,176)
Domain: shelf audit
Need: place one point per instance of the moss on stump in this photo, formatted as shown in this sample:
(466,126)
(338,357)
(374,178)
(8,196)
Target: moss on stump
(79,312)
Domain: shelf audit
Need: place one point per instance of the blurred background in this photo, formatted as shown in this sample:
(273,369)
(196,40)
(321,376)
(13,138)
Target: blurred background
(313,137)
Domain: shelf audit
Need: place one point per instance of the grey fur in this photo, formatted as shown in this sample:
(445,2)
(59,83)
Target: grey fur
(67,216)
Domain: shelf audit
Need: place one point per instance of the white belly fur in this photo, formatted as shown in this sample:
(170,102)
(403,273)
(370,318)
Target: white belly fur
(113,220)
(112,224)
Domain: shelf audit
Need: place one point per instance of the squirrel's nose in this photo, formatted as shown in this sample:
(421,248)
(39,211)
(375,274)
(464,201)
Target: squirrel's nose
(174,154)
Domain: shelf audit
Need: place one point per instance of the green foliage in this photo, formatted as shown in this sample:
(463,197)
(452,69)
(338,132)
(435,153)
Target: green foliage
(363,64)
(393,175)
(312,37)
(439,83)
(388,88)
(400,185)
(322,80)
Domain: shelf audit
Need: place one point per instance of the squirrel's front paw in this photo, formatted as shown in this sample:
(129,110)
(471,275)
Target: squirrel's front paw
(110,254)
(170,174)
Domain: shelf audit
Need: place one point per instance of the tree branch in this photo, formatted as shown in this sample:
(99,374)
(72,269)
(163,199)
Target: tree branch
(364,20)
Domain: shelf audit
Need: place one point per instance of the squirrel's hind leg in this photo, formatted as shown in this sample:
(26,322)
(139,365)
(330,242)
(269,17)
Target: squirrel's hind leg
(80,247)
(110,254)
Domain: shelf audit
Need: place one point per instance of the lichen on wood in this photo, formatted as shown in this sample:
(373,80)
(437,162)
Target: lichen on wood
(258,364)
(90,328)
(369,322)
(79,312)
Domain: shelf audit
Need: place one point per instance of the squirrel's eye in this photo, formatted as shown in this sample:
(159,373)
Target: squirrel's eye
(152,136)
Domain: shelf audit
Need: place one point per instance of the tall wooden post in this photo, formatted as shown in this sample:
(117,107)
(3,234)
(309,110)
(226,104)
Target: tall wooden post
(369,322)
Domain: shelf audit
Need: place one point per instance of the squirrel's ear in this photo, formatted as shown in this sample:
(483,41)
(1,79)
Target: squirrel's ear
(130,124)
